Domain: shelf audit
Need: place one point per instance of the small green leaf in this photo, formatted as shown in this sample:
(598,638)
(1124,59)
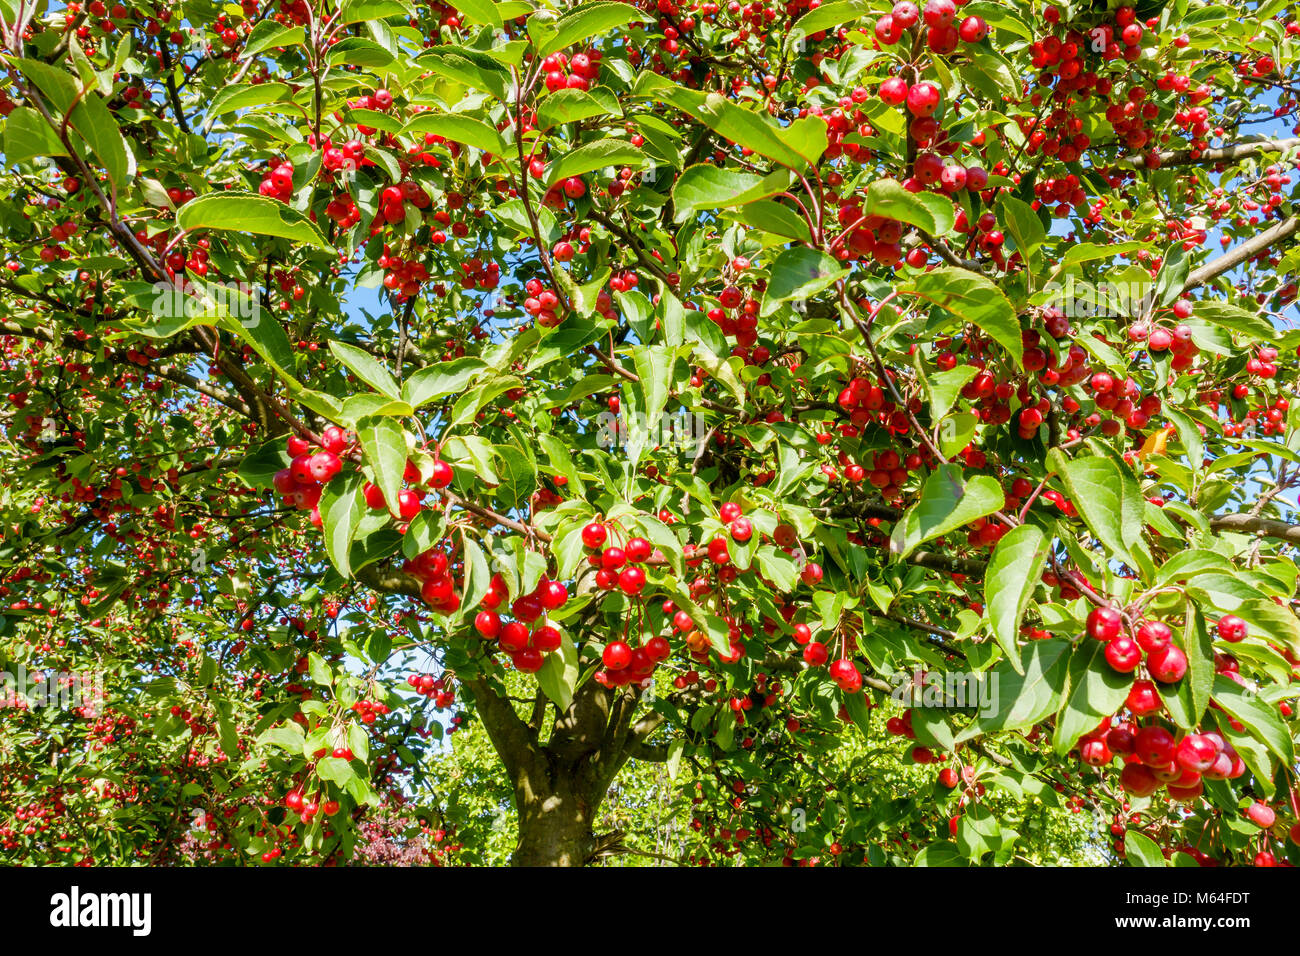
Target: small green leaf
(947,502)
(366,367)
(1009,582)
(971,298)
(1141,850)
(233,211)
(384,444)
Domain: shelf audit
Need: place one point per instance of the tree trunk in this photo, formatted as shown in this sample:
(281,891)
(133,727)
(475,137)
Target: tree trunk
(554,828)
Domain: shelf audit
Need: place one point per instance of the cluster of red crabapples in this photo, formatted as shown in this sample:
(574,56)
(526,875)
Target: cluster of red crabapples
(524,639)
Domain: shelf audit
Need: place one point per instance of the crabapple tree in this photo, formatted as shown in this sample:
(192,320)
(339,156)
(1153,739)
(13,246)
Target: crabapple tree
(715,386)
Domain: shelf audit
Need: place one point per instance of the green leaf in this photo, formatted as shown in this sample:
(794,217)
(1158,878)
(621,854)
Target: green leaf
(336,770)
(266,337)
(826,16)
(569,106)
(1012,575)
(234,211)
(1141,850)
(588,20)
(268,34)
(1187,700)
(318,670)
(947,502)
(942,388)
(478,575)
(593,156)
(259,467)
(1270,620)
(978,833)
(942,853)
(559,674)
(1097,690)
(1259,718)
(1108,498)
(705,186)
(359,11)
(27,136)
(1236,319)
(734,123)
(778,567)
(384,444)
(481,11)
(459,129)
(88,115)
(971,298)
(798,274)
(366,367)
(441,379)
(1025,227)
(341,508)
(928,212)
(1023,699)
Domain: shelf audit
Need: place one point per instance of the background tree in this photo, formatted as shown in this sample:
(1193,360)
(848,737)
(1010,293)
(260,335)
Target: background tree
(338,343)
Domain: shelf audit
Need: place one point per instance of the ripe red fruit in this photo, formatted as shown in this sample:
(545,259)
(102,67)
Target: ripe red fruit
(923,98)
(638,550)
(514,637)
(488,624)
(729,512)
(948,777)
(442,474)
(1143,698)
(894,91)
(718,551)
(324,465)
(1138,781)
(631,580)
(815,653)
(553,594)
(527,608)
(374,497)
(1232,628)
(1123,654)
(1121,739)
(594,535)
(939,13)
(617,655)
(1104,623)
(1196,752)
(802,633)
(528,659)
(1167,664)
(811,574)
(658,649)
(1152,635)
(546,639)
(1261,814)
(846,675)
(741,530)
(973,29)
(1094,752)
(1154,746)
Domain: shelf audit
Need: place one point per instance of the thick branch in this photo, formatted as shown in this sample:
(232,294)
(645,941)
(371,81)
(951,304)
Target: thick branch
(1253,524)
(1247,250)
(1209,157)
